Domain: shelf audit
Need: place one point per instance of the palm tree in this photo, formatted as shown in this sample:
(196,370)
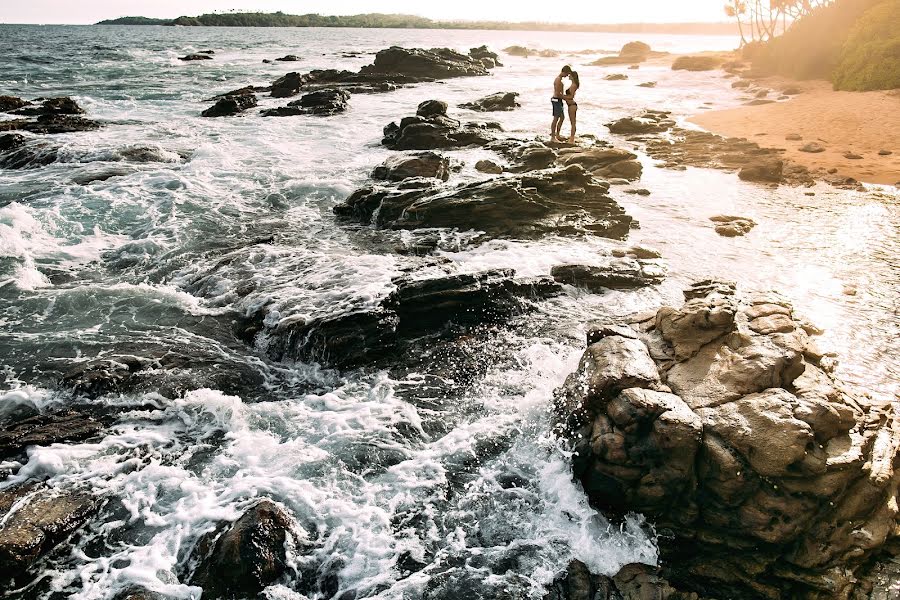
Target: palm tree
(736,8)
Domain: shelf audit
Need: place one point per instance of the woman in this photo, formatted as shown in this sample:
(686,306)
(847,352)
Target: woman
(570,100)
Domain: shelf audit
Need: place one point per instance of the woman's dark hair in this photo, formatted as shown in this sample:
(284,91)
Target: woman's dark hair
(566,70)
(575,80)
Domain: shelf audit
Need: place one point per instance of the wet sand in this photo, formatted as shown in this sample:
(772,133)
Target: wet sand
(844,123)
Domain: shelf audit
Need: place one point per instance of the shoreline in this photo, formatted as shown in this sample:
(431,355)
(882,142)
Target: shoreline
(852,128)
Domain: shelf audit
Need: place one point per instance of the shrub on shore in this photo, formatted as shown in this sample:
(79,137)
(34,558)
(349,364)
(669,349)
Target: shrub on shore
(870,58)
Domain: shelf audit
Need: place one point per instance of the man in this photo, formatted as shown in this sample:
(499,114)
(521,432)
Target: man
(558,103)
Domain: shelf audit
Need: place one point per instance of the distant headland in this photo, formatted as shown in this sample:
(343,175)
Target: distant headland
(399,21)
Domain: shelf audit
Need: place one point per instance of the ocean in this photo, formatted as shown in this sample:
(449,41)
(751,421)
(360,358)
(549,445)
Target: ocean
(103,255)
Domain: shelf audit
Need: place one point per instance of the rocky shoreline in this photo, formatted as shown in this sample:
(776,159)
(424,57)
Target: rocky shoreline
(719,420)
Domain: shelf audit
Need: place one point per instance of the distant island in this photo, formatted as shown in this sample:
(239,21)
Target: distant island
(397,21)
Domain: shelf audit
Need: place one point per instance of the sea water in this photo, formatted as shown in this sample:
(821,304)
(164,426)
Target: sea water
(101,255)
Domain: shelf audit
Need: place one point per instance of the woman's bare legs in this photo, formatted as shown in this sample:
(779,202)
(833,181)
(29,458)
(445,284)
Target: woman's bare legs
(573,109)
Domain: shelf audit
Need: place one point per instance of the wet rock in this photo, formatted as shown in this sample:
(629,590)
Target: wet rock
(246,557)
(731,226)
(10,103)
(488,166)
(393,68)
(230,106)
(247,90)
(288,58)
(647,84)
(749,457)
(812,147)
(501,101)
(421,164)
(561,201)
(418,307)
(525,156)
(437,63)
(639,252)
(852,156)
(482,54)
(649,122)
(758,102)
(616,77)
(195,57)
(603,162)
(792,91)
(34,520)
(621,274)
(742,84)
(578,583)
(432,129)
(793,137)
(696,63)
(52,106)
(323,103)
(884,153)
(43,430)
(17,153)
(703,149)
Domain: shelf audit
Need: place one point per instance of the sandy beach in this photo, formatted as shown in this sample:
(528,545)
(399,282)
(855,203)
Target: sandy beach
(857,124)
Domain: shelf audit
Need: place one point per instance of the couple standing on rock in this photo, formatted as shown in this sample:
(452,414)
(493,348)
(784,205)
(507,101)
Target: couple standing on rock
(559,97)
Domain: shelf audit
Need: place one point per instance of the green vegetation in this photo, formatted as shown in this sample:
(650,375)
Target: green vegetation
(135,21)
(870,58)
(378,20)
(853,43)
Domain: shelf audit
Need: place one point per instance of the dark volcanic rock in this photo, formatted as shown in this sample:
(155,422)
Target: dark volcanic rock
(9,103)
(562,201)
(194,57)
(488,166)
(41,519)
(288,58)
(246,557)
(11,141)
(500,101)
(621,274)
(432,129)
(719,421)
(418,307)
(421,164)
(437,63)
(52,106)
(230,106)
(17,153)
(43,430)
(323,103)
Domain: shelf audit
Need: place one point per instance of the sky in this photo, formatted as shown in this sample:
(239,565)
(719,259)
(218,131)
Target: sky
(566,11)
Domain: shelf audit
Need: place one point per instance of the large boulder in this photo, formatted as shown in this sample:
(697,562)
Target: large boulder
(631,53)
(432,129)
(770,481)
(63,105)
(230,106)
(566,201)
(248,556)
(500,101)
(632,582)
(35,519)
